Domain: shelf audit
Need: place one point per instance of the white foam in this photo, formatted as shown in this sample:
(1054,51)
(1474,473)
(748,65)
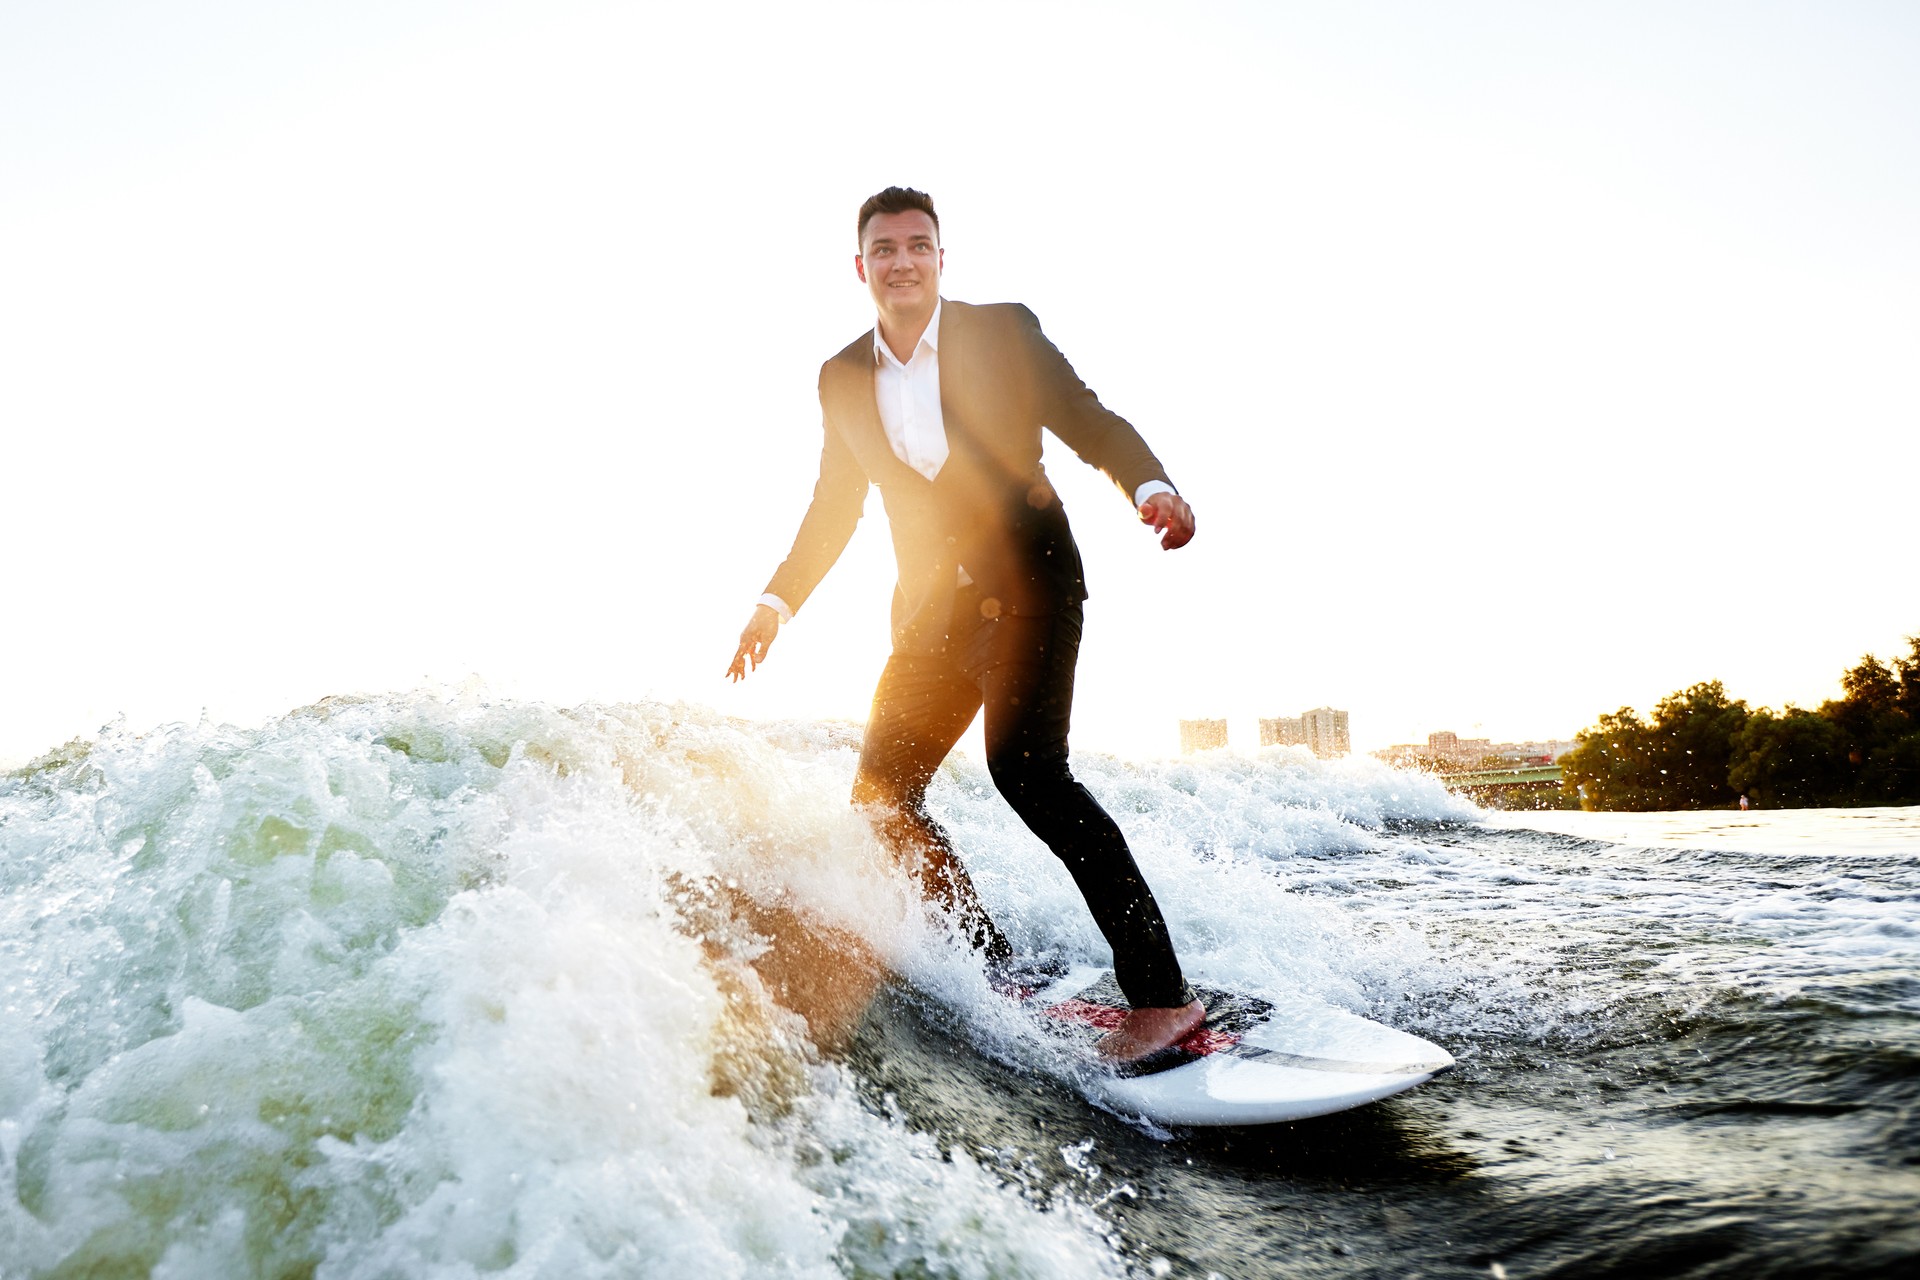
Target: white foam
(419,986)
(400,987)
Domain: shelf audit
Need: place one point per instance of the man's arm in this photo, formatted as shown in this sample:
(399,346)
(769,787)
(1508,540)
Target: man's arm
(839,495)
(1104,439)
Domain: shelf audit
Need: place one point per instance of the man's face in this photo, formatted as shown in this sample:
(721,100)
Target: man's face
(900,260)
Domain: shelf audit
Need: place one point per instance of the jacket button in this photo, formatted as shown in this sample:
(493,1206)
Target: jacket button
(952,541)
(989,608)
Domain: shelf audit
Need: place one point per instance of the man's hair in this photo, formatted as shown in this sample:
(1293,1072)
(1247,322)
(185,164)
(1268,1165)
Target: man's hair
(894,200)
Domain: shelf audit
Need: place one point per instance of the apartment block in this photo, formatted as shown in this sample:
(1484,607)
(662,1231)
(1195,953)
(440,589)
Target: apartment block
(1202,735)
(1322,731)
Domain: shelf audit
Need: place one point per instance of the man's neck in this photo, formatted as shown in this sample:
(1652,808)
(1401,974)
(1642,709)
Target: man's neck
(903,333)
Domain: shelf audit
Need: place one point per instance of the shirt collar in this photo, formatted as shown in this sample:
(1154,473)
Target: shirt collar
(931,338)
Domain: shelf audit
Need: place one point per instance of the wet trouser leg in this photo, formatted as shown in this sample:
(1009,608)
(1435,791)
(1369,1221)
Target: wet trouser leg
(920,709)
(1021,670)
(1025,671)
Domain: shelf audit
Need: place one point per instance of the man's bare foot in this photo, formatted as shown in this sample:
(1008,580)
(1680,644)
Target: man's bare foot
(1145,1031)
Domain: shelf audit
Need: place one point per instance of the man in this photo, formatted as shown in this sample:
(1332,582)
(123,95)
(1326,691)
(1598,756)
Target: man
(941,406)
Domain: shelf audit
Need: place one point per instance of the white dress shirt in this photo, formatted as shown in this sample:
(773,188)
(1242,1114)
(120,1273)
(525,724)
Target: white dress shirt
(908,397)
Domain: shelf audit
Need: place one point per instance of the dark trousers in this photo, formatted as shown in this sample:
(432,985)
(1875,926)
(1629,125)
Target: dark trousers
(1020,669)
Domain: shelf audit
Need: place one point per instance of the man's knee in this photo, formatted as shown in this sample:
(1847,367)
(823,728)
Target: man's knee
(869,790)
(1029,776)
(890,807)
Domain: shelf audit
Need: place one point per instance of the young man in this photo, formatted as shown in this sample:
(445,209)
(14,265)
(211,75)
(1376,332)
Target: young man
(941,405)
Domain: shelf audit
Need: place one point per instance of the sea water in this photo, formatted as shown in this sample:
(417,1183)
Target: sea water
(428,986)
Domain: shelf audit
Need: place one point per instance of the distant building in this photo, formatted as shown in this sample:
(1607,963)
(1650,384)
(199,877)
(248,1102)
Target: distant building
(1451,751)
(1546,752)
(1283,732)
(1451,747)
(1327,732)
(1202,735)
(1322,731)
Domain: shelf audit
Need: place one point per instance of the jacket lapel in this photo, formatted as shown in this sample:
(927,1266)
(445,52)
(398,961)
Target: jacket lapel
(953,368)
(857,408)
(858,412)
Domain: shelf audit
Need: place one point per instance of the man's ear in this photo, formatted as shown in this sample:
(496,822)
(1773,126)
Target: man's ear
(860,267)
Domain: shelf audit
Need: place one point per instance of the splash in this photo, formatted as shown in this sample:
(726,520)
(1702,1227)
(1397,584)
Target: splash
(404,986)
(410,985)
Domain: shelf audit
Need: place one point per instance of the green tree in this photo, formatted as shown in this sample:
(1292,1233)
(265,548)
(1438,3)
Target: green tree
(1702,749)
(1693,734)
(1878,717)
(1907,668)
(1608,769)
(1678,760)
(1794,760)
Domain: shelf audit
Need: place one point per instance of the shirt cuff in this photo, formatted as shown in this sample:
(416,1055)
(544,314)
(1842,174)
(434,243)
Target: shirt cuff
(1150,488)
(778,605)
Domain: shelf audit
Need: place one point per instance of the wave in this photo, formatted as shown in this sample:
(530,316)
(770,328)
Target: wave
(404,986)
(424,985)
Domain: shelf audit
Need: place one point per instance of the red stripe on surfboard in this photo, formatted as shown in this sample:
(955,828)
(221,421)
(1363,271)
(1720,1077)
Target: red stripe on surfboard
(1199,1042)
(1104,1016)
(1202,1041)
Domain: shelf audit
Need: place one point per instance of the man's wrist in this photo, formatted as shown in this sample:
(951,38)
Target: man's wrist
(776,604)
(1149,489)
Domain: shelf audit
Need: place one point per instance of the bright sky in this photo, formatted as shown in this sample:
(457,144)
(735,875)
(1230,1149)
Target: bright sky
(1519,360)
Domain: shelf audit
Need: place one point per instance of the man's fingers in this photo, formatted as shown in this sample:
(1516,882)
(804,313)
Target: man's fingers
(1179,531)
(750,652)
(1171,518)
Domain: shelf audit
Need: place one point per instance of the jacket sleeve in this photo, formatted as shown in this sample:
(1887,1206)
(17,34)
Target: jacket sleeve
(839,496)
(1068,407)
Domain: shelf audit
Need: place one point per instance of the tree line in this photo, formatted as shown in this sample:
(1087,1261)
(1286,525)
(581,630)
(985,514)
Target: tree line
(1701,749)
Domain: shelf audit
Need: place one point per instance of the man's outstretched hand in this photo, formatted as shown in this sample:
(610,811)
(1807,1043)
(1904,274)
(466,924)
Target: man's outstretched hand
(755,640)
(1170,517)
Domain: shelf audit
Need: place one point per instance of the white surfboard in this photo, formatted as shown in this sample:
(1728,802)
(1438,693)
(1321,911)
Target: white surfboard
(1253,1061)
